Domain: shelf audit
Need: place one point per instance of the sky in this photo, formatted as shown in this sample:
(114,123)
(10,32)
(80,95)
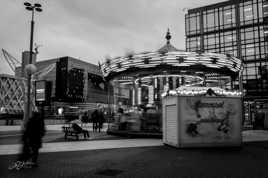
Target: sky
(92,30)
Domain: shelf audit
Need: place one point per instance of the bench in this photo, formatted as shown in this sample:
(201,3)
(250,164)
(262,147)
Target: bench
(69,131)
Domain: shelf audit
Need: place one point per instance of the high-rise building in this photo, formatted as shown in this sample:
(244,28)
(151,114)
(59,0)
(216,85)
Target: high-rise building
(238,28)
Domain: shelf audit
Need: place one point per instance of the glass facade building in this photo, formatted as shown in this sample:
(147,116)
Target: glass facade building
(238,28)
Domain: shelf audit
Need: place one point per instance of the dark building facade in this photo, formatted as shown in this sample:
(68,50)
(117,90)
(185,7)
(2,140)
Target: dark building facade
(238,28)
(70,82)
(73,80)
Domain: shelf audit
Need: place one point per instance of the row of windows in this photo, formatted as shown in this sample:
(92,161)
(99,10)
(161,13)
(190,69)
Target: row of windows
(251,70)
(225,17)
(252,42)
(220,39)
(255,76)
(249,52)
(254,51)
(227,50)
(248,35)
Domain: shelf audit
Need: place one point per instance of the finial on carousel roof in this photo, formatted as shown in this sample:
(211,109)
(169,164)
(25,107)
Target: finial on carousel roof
(168,36)
(168,47)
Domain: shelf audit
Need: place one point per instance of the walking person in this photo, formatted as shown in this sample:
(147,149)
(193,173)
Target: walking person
(32,142)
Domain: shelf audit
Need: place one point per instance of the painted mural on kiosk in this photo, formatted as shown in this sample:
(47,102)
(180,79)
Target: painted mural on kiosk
(210,119)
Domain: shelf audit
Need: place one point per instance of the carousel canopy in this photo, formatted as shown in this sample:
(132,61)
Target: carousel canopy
(170,60)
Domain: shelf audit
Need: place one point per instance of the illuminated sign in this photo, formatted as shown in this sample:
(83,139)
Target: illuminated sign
(40,88)
(42,92)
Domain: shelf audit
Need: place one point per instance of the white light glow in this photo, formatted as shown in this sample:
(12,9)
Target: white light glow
(248,9)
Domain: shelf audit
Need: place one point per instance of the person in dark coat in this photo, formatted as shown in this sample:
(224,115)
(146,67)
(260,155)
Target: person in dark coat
(33,134)
(100,120)
(32,142)
(79,129)
(94,117)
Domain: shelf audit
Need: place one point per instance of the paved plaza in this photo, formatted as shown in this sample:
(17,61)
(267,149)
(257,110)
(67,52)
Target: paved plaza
(124,157)
(250,161)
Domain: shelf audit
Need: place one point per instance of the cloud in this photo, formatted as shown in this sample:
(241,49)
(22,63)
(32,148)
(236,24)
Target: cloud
(92,29)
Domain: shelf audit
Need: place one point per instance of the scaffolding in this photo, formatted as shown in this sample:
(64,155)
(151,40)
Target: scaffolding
(12,94)
(13,89)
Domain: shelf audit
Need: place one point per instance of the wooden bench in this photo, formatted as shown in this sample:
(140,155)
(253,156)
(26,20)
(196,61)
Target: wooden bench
(69,131)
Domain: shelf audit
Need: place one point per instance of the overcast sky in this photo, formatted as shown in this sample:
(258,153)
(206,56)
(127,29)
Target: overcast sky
(90,30)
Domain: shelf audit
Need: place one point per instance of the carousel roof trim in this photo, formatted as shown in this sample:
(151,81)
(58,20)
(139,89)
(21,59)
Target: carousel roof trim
(170,58)
(175,59)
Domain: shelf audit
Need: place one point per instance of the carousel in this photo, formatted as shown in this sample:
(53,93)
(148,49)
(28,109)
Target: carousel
(137,82)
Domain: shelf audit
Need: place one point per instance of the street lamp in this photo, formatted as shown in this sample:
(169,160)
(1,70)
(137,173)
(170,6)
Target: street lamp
(30,68)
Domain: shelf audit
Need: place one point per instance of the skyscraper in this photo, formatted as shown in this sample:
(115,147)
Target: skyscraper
(235,27)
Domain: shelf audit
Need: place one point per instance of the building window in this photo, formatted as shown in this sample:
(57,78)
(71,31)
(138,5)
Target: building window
(193,24)
(265,8)
(249,12)
(210,19)
(228,42)
(227,17)
(194,44)
(260,8)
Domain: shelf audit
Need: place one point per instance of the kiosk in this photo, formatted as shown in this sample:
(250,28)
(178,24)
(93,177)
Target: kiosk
(202,117)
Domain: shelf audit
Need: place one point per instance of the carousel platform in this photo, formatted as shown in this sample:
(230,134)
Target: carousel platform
(135,134)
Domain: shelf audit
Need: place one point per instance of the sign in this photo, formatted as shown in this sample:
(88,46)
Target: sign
(40,87)
(42,92)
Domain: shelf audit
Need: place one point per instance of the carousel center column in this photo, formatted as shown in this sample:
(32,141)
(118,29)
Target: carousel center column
(151,91)
(134,91)
(116,93)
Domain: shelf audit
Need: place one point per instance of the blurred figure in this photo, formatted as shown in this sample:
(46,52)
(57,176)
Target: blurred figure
(85,118)
(94,117)
(32,142)
(122,119)
(100,119)
(79,126)
(79,129)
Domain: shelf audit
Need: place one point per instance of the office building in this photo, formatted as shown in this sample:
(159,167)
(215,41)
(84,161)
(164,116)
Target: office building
(238,28)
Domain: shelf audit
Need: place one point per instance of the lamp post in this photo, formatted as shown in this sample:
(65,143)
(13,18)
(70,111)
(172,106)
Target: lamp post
(30,68)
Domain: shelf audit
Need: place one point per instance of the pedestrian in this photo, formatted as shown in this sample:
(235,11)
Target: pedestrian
(85,118)
(122,119)
(100,119)
(32,142)
(94,117)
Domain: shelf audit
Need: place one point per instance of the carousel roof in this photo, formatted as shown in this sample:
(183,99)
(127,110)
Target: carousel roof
(171,60)
(168,47)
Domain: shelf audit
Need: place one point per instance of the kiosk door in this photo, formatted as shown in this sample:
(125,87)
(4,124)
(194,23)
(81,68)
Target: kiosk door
(172,124)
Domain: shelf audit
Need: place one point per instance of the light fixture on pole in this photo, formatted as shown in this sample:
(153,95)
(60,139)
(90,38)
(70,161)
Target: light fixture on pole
(30,68)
